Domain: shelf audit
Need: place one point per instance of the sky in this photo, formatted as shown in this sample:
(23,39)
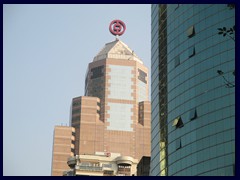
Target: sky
(46,51)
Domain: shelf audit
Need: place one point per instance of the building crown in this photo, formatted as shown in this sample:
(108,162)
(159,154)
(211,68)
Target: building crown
(117,50)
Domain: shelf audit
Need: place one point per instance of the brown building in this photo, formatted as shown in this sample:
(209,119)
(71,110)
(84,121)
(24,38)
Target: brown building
(88,127)
(63,146)
(114,115)
(118,120)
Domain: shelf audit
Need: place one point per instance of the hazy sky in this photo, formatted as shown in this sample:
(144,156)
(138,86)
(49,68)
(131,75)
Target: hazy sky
(46,50)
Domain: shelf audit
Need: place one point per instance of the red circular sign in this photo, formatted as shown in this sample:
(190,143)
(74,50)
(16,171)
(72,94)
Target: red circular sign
(117,27)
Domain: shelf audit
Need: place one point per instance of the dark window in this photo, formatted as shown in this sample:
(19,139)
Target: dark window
(178,144)
(177,60)
(191,51)
(178,122)
(76,118)
(108,172)
(98,111)
(191,31)
(76,103)
(193,114)
(142,76)
(86,80)
(97,72)
(98,103)
(74,134)
(74,111)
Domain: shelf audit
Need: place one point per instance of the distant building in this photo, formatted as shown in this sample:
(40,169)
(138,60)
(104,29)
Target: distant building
(143,166)
(193,107)
(63,148)
(101,164)
(114,115)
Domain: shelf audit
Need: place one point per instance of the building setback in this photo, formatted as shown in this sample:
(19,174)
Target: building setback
(193,106)
(63,148)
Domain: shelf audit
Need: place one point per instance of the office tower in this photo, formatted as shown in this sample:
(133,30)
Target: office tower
(63,148)
(193,89)
(114,115)
(117,83)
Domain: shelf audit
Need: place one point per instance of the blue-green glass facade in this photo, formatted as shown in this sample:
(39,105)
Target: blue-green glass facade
(155,128)
(200,102)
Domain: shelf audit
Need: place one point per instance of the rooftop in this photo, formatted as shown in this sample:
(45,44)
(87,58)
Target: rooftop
(117,50)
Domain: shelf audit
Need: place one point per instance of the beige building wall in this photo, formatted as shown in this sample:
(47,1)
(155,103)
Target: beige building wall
(63,146)
(101,165)
(121,85)
(114,115)
(88,127)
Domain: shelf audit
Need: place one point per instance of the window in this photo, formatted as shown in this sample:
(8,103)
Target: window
(75,111)
(107,165)
(98,103)
(177,60)
(121,82)
(76,103)
(178,144)
(97,72)
(191,32)
(76,118)
(74,134)
(142,76)
(178,122)
(191,51)
(193,114)
(108,173)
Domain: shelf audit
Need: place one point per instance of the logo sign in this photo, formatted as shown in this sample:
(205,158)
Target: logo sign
(117,27)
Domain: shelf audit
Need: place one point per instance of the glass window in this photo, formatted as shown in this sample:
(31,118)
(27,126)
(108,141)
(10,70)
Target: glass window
(120,117)
(97,72)
(193,114)
(178,144)
(191,31)
(142,76)
(191,51)
(76,118)
(177,60)
(121,82)
(98,103)
(75,111)
(178,122)
(77,103)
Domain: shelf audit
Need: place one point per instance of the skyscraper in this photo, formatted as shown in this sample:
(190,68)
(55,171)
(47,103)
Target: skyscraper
(113,118)
(193,94)
(116,91)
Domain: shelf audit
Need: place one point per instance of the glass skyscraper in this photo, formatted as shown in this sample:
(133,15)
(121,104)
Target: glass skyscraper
(193,90)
